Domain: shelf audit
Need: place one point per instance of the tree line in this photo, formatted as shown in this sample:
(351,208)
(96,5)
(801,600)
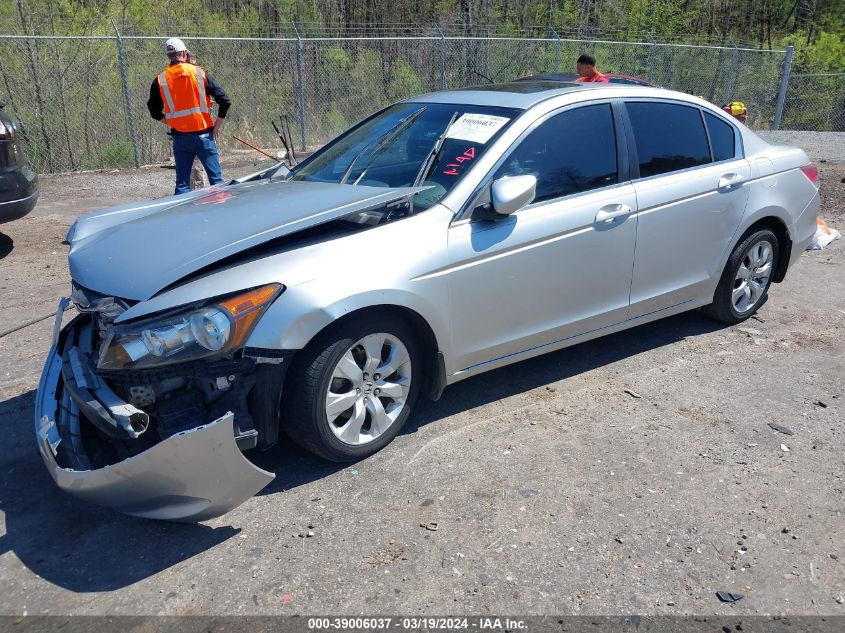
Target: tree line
(815,27)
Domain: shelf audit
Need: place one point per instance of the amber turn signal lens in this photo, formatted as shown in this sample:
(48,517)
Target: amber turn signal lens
(246,308)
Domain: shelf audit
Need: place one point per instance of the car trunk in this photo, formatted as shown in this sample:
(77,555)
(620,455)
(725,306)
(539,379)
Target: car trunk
(18,181)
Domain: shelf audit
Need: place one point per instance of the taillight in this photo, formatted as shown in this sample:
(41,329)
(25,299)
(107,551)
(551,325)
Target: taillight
(812,173)
(6,130)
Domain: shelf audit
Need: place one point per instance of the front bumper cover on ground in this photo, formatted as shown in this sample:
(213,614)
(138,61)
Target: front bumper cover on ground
(194,475)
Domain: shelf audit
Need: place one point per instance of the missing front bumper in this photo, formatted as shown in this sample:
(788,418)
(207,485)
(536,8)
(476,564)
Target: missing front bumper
(194,475)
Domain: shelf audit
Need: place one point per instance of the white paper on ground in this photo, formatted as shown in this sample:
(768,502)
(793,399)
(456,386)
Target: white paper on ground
(477,128)
(824,235)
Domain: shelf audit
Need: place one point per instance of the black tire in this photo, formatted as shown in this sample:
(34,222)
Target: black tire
(722,308)
(304,417)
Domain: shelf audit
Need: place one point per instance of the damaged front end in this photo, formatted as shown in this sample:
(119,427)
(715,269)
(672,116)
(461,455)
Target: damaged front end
(150,418)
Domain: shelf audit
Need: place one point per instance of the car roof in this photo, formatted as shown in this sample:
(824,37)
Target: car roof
(516,94)
(525,94)
(570,78)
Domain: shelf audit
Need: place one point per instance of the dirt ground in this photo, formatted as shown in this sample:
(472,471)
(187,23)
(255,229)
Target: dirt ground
(556,491)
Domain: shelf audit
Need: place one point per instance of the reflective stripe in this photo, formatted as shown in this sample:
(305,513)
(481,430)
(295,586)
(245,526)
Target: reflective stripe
(175,115)
(203,107)
(201,83)
(162,81)
(191,97)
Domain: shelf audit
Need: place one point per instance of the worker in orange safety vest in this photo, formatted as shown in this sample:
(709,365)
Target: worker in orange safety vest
(587,72)
(181,95)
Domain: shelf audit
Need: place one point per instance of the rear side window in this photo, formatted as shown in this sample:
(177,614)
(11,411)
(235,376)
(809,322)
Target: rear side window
(721,138)
(571,152)
(669,137)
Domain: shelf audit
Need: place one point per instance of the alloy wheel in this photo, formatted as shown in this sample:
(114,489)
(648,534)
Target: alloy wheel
(752,277)
(369,388)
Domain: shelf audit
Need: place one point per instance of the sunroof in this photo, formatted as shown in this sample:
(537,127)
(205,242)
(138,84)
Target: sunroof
(525,87)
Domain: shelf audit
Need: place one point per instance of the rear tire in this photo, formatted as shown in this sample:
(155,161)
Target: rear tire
(352,389)
(744,285)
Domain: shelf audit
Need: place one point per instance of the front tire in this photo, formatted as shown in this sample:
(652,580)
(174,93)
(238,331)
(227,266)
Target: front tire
(745,282)
(352,389)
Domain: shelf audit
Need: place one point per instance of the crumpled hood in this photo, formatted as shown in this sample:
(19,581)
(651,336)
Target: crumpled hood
(133,251)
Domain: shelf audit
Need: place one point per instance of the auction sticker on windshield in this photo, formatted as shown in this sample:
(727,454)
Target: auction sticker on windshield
(478,128)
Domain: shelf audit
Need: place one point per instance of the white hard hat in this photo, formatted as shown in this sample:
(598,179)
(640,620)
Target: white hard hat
(174,45)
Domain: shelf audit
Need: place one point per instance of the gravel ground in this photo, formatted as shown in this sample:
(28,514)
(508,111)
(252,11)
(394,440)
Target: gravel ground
(555,490)
(818,145)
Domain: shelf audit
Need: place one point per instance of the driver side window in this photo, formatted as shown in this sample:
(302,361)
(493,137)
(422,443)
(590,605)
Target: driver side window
(571,152)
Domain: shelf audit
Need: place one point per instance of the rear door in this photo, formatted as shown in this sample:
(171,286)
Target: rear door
(691,195)
(558,267)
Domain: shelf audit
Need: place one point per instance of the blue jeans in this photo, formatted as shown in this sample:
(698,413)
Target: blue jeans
(185,148)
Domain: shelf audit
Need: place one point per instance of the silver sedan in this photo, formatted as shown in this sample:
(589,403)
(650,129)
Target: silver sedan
(442,237)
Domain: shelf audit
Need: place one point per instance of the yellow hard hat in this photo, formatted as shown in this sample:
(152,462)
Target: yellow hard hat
(736,108)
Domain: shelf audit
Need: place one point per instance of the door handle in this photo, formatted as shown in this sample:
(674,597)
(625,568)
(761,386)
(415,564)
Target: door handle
(610,212)
(730,181)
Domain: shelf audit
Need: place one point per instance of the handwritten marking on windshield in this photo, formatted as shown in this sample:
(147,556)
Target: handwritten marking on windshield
(452,168)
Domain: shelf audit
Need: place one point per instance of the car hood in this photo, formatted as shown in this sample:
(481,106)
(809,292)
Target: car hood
(133,251)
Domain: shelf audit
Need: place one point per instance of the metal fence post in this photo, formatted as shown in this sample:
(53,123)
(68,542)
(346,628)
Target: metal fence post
(300,73)
(784,83)
(732,74)
(651,57)
(442,58)
(557,46)
(127,97)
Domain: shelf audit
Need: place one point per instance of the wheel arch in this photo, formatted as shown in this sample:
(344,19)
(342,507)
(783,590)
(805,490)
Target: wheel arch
(434,372)
(777,226)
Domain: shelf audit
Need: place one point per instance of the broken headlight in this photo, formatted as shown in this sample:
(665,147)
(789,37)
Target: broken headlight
(201,332)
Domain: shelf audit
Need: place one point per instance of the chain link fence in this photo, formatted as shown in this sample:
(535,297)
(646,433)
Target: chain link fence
(82,99)
(815,102)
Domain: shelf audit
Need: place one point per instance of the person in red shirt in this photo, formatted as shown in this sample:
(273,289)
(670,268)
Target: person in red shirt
(587,70)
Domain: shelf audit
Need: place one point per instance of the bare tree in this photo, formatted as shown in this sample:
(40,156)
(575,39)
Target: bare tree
(36,77)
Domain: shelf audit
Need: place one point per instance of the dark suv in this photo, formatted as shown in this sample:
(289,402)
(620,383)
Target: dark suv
(18,181)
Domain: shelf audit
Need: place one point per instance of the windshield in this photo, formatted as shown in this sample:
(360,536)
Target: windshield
(407,144)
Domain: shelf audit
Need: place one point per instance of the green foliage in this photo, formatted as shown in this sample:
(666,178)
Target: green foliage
(336,60)
(332,121)
(69,92)
(404,82)
(825,55)
(366,80)
(116,154)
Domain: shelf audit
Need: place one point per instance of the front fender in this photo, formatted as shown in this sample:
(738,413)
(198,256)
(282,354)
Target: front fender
(298,317)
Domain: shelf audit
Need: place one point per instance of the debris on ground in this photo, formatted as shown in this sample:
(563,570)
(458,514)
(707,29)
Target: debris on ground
(780,428)
(823,236)
(633,393)
(286,597)
(727,596)
(784,448)
(431,526)
(821,404)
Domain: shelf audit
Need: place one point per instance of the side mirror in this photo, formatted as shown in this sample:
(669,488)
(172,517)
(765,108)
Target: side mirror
(512,194)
